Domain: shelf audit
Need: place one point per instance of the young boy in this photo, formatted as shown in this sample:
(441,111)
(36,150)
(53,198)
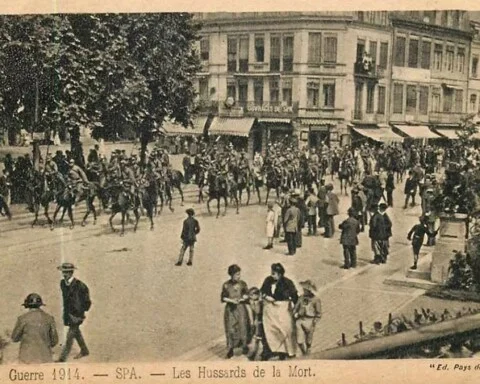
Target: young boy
(255,303)
(418,232)
(306,312)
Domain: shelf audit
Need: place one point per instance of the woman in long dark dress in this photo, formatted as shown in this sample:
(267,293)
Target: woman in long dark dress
(237,322)
(280,296)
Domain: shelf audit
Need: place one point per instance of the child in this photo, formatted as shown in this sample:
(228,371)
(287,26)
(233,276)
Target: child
(255,303)
(419,231)
(270,224)
(306,312)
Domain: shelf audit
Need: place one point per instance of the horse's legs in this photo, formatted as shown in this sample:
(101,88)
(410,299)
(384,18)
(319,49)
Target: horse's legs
(110,220)
(137,218)
(226,205)
(236,200)
(124,214)
(45,212)
(268,193)
(218,205)
(36,209)
(57,209)
(70,215)
(258,194)
(208,204)
(179,187)
(248,196)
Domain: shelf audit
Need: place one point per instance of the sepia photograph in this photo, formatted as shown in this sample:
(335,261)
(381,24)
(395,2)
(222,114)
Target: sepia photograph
(238,188)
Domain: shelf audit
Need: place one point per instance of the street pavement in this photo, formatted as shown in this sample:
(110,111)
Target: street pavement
(146,309)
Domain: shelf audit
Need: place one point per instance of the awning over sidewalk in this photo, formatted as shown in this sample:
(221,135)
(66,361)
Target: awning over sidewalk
(448,133)
(274,120)
(175,129)
(382,135)
(313,121)
(417,131)
(231,126)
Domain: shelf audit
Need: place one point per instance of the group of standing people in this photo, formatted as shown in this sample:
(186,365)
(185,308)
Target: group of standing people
(273,317)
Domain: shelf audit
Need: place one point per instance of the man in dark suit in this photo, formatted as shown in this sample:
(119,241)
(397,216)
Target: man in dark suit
(191,228)
(410,189)
(76,301)
(349,239)
(291,221)
(36,332)
(380,233)
(332,211)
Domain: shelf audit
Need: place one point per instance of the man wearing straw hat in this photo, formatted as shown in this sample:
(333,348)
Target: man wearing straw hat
(190,230)
(306,312)
(76,301)
(36,332)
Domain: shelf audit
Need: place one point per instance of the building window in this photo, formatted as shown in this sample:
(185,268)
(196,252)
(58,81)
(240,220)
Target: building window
(204,48)
(361,16)
(373,52)
(314,48)
(438,57)
(423,100)
(426,53)
(358,101)
(383,56)
(274,92)
(473,103)
(231,90)
(288,54)
(411,99)
(413,53)
(458,100)
(398,98)
(243,92)
(312,94)
(329,95)
(429,16)
(381,100)
(456,19)
(330,53)
(450,58)
(287,92)
(275,53)
(203,89)
(360,50)
(399,59)
(243,55)
(460,59)
(444,18)
(370,97)
(259,49)
(447,100)
(435,99)
(474,66)
(258,92)
(232,54)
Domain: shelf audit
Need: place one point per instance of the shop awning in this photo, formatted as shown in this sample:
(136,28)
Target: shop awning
(273,120)
(448,133)
(231,126)
(417,131)
(174,129)
(383,135)
(317,122)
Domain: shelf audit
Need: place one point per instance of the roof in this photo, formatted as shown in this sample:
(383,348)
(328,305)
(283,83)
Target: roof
(417,131)
(175,129)
(384,135)
(231,126)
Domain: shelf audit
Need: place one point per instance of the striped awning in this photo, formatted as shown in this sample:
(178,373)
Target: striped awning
(230,126)
(417,131)
(317,122)
(175,129)
(383,135)
(274,120)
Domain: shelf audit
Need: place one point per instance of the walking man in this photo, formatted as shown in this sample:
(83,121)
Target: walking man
(191,228)
(349,239)
(380,231)
(332,211)
(410,189)
(291,221)
(36,332)
(312,204)
(76,301)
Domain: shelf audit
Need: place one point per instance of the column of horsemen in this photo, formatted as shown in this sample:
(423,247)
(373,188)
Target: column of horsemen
(123,184)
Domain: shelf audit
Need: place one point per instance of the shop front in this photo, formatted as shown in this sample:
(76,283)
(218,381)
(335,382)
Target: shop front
(238,132)
(416,134)
(375,135)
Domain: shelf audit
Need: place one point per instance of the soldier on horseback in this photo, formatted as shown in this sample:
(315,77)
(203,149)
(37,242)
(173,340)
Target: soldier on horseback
(77,178)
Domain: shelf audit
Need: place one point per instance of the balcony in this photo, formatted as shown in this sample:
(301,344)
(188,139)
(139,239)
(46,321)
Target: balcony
(447,117)
(368,72)
(264,109)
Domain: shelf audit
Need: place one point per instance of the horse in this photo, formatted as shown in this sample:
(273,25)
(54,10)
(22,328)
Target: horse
(399,166)
(345,174)
(243,181)
(40,196)
(217,190)
(124,202)
(175,180)
(165,195)
(273,181)
(149,196)
(202,180)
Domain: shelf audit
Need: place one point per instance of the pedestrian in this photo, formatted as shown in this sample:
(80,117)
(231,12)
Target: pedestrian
(270,225)
(312,204)
(186,168)
(389,187)
(255,305)
(306,313)
(410,189)
(291,221)
(236,320)
(303,217)
(379,232)
(357,206)
(190,230)
(349,239)
(363,197)
(322,203)
(76,301)
(417,235)
(277,209)
(36,331)
(332,211)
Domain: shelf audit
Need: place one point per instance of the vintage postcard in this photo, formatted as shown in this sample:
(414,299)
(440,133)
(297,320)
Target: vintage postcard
(236,194)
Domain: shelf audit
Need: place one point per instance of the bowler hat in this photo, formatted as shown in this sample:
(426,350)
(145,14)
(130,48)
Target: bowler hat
(33,300)
(190,212)
(309,286)
(67,267)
